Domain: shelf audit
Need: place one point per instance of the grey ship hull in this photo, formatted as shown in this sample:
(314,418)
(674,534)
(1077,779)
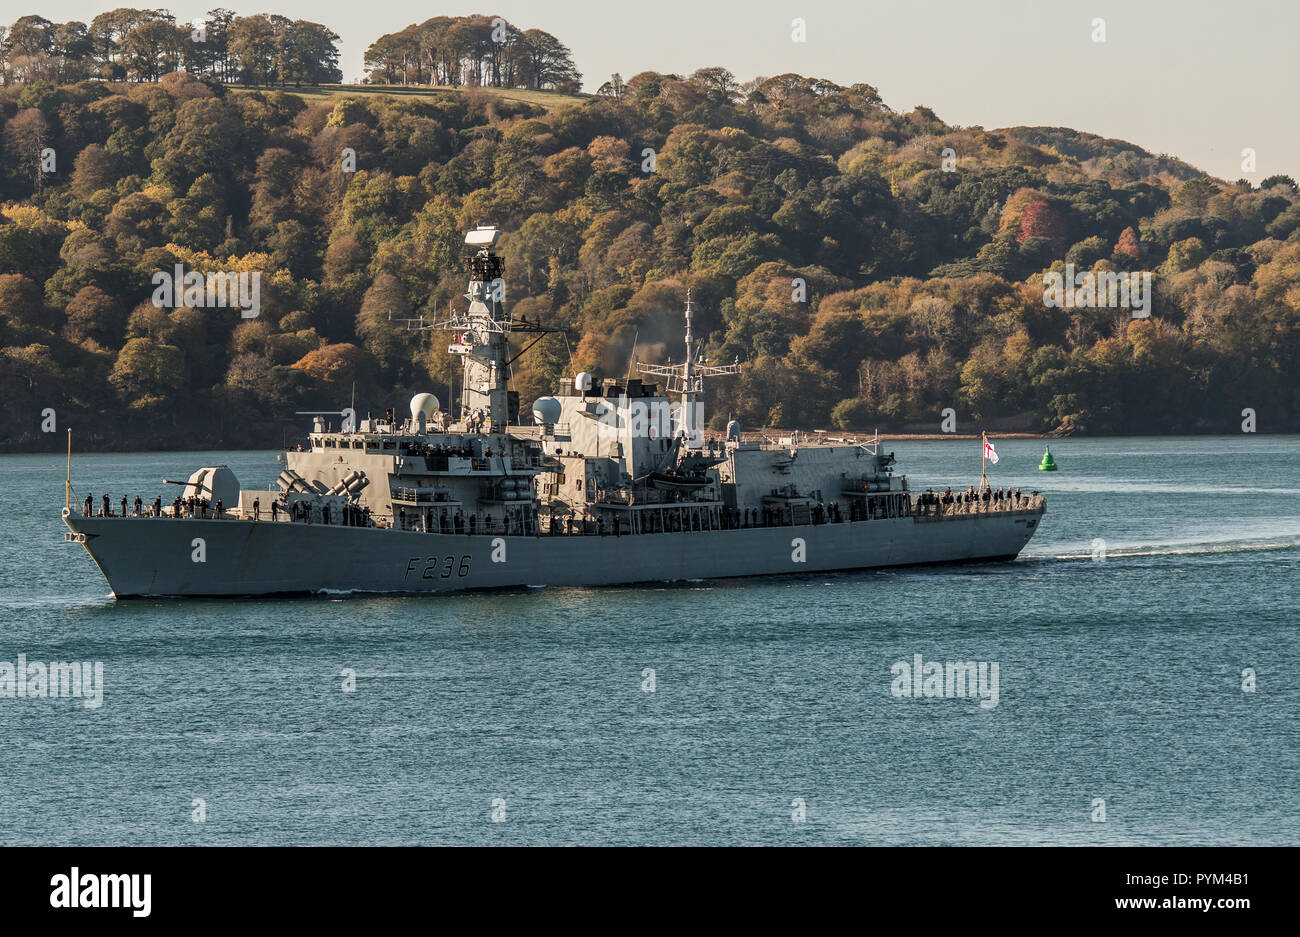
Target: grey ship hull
(154,556)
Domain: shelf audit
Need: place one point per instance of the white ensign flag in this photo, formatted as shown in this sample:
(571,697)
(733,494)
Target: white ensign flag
(990,453)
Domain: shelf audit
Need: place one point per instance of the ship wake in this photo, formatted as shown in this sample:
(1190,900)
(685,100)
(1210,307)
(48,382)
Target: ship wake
(1178,548)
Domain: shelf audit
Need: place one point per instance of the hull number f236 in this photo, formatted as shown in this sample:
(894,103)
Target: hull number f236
(435,567)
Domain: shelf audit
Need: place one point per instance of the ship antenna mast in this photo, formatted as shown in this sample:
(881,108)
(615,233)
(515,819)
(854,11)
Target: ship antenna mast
(687,370)
(482,335)
(687,379)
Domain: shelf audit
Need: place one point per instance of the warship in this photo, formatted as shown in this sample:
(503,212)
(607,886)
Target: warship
(610,482)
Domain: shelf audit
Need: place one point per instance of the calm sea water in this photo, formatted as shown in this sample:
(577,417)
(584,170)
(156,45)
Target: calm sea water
(1120,680)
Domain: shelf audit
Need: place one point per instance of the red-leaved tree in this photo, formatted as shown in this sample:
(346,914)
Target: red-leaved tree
(1040,219)
(1128,244)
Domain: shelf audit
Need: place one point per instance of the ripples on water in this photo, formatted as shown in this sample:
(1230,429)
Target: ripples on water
(1118,679)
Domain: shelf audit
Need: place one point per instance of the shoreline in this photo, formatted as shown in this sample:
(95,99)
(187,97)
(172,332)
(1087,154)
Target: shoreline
(845,438)
(806,439)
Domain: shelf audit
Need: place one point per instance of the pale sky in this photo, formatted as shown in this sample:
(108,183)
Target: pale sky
(1196,79)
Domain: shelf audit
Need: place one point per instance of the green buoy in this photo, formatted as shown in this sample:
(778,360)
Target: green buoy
(1048,464)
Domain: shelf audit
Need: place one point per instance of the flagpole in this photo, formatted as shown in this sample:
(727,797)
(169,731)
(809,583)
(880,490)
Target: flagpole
(984,454)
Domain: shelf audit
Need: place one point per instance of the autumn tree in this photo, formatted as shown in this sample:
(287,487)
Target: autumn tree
(147,374)
(337,365)
(1040,219)
(92,313)
(1128,244)
(20,300)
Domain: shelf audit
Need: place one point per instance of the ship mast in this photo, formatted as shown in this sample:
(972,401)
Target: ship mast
(482,342)
(687,379)
(482,336)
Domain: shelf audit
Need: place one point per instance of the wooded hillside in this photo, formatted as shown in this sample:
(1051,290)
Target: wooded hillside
(870,267)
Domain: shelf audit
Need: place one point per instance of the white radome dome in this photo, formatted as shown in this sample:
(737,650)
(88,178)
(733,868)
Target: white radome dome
(547,410)
(426,404)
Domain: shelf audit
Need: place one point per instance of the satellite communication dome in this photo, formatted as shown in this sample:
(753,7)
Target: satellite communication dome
(425,404)
(733,430)
(546,410)
(582,381)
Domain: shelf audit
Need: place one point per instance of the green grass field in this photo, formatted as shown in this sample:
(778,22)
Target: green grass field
(546,99)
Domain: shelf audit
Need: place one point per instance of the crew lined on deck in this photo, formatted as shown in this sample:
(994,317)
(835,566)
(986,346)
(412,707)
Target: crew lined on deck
(666,518)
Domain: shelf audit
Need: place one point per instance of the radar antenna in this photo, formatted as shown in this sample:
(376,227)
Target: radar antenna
(687,379)
(481,334)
